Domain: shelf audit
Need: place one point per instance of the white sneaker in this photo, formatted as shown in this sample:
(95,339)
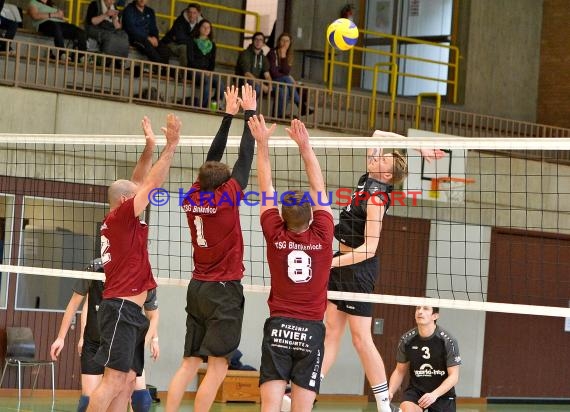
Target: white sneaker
(286,403)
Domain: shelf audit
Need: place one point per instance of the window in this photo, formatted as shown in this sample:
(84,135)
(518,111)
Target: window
(56,234)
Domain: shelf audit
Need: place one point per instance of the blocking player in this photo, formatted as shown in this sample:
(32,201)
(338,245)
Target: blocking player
(215,301)
(299,254)
(124,253)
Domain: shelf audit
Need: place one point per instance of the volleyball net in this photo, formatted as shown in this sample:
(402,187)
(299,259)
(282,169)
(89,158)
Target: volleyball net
(487,227)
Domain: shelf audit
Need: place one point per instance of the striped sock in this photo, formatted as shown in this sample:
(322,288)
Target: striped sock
(382,397)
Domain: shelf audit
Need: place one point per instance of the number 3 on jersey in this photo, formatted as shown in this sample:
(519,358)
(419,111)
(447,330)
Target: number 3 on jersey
(299,266)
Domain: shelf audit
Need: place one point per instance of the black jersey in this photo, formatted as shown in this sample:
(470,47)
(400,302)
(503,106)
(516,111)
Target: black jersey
(95,290)
(352,220)
(429,358)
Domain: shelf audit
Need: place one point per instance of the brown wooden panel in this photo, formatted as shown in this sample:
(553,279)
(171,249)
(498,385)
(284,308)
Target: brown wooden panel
(554,77)
(44,325)
(525,356)
(403,251)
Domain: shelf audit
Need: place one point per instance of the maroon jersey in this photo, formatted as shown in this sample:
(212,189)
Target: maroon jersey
(213,218)
(124,253)
(300,264)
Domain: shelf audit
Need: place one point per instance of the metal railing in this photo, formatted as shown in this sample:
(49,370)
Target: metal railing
(437,109)
(395,57)
(137,81)
(393,88)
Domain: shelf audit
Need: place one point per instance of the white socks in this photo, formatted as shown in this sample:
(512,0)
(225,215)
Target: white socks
(382,396)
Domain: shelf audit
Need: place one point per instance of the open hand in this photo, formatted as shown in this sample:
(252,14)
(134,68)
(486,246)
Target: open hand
(172,129)
(232,100)
(147,129)
(431,154)
(259,130)
(298,132)
(56,348)
(154,349)
(248,97)
(426,400)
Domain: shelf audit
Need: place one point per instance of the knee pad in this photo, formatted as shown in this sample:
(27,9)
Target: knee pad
(83,403)
(141,400)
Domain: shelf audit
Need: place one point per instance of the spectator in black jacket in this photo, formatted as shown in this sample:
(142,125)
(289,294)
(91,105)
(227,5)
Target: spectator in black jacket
(202,56)
(180,34)
(139,22)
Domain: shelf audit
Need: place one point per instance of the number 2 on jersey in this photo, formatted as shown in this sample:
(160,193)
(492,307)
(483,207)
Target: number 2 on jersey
(105,245)
(199,225)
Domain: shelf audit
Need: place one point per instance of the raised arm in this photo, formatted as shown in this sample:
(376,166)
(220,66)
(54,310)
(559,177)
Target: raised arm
(159,171)
(70,311)
(261,134)
(218,145)
(298,132)
(427,154)
(145,161)
(242,166)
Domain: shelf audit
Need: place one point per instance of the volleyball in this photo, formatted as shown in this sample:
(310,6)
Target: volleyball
(342,34)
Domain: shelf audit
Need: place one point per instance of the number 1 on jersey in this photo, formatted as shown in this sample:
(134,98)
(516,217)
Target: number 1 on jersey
(199,225)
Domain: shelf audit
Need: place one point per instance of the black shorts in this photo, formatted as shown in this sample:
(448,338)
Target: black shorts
(123,327)
(214,315)
(293,350)
(359,278)
(88,364)
(442,404)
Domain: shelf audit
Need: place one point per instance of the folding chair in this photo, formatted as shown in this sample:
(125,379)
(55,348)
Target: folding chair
(21,352)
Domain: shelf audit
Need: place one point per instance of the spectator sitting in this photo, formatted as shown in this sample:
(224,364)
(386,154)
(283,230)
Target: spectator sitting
(102,24)
(49,20)
(179,36)
(253,64)
(139,22)
(202,56)
(280,61)
(8,23)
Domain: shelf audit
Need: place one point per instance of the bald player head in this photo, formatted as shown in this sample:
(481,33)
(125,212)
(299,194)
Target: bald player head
(120,191)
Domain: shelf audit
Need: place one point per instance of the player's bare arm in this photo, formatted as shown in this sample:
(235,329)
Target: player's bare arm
(145,161)
(299,134)
(261,133)
(428,154)
(159,171)
(70,311)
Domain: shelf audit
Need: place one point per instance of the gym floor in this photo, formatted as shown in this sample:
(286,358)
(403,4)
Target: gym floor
(69,404)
